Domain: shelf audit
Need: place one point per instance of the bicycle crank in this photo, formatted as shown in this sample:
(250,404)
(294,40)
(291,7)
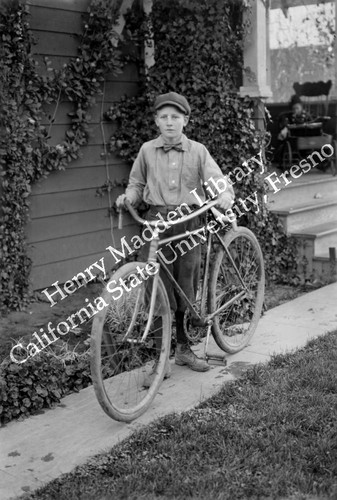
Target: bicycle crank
(195,329)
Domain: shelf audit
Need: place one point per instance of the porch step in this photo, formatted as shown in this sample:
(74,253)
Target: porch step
(324,236)
(324,268)
(298,216)
(304,189)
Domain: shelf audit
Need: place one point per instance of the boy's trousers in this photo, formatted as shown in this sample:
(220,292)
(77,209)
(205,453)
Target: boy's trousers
(182,257)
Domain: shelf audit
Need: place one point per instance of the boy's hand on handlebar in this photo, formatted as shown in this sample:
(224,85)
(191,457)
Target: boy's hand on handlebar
(225,201)
(120,202)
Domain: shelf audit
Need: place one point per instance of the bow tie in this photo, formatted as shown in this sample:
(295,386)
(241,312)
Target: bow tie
(177,147)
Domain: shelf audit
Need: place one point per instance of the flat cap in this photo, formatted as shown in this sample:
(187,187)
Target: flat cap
(173,99)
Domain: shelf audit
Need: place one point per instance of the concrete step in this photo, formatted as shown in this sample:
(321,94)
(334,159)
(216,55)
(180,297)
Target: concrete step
(299,216)
(316,267)
(324,236)
(310,187)
(325,268)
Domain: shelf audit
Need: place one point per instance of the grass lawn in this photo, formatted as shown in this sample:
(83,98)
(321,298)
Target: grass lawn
(271,434)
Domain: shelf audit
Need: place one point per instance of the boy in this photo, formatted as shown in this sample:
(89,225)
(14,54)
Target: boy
(164,174)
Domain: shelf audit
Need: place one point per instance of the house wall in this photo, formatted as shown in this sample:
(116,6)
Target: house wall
(69,226)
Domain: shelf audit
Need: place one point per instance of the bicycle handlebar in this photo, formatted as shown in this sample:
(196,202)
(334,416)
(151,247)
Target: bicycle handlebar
(158,223)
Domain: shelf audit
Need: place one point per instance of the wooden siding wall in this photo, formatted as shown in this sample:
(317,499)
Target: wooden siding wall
(69,227)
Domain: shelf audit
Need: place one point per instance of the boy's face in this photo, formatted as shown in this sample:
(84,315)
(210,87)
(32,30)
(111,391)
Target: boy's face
(171,122)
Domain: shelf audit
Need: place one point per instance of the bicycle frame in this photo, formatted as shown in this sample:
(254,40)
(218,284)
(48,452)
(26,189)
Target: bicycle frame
(203,319)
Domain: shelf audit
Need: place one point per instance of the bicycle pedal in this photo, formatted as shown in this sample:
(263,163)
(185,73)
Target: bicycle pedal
(217,358)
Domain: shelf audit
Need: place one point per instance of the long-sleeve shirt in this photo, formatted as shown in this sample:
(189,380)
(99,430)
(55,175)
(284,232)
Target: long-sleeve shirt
(168,178)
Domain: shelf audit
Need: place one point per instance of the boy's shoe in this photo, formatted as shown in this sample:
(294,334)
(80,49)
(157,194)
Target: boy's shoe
(185,356)
(148,381)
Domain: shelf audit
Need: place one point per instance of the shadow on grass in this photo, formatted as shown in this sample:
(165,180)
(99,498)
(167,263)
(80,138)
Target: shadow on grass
(271,434)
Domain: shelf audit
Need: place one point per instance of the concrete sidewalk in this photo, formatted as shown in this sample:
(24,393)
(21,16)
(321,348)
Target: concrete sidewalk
(43,447)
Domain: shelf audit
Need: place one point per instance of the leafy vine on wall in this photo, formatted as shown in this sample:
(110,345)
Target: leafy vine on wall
(199,53)
(25,152)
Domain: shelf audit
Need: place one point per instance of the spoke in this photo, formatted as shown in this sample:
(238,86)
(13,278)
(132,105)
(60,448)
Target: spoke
(124,363)
(234,322)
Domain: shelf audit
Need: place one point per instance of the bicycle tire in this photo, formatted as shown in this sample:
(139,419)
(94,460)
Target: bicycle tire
(115,359)
(233,328)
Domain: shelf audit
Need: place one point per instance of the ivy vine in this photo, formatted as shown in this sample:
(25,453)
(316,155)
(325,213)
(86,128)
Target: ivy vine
(25,152)
(199,53)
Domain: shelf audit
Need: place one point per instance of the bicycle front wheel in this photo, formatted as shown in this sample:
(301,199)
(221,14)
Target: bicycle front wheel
(234,326)
(120,360)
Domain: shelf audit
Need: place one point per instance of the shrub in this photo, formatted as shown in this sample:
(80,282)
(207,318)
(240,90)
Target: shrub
(41,382)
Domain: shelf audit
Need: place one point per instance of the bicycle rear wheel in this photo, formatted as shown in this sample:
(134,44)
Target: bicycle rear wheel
(120,361)
(234,326)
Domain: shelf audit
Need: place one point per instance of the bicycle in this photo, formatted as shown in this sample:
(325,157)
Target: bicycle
(124,334)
